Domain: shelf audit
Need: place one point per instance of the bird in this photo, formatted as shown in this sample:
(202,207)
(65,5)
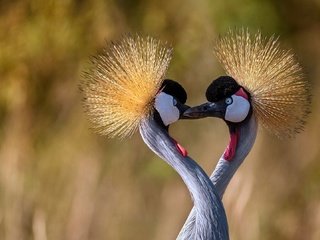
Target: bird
(125,90)
(264,85)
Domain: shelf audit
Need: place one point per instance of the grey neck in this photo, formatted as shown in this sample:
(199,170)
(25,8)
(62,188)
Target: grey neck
(210,219)
(225,170)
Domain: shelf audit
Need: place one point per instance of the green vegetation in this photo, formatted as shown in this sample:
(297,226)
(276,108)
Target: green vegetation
(58,180)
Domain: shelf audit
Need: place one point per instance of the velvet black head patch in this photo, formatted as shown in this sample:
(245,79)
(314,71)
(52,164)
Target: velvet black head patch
(174,89)
(222,87)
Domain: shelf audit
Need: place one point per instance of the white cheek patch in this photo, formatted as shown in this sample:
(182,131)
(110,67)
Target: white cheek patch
(168,112)
(238,110)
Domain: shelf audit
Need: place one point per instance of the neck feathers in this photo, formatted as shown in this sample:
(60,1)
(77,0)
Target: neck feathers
(210,222)
(225,169)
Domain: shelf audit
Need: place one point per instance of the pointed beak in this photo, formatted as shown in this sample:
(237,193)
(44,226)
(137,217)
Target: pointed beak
(182,108)
(208,109)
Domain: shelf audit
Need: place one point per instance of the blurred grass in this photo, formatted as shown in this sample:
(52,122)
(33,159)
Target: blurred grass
(58,180)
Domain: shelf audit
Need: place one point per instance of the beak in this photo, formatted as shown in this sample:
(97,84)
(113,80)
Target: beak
(182,108)
(208,109)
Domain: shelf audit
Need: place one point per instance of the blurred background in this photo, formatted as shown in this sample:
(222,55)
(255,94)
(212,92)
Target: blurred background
(58,180)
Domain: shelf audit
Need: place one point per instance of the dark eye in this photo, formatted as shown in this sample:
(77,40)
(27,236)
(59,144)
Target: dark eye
(174,101)
(229,101)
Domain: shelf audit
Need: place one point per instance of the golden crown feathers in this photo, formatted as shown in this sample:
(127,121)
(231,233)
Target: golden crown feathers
(120,85)
(279,94)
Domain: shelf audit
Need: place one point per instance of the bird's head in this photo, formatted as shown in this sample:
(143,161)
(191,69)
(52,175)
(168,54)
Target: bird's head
(226,100)
(264,81)
(229,101)
(169,103)
(126,84)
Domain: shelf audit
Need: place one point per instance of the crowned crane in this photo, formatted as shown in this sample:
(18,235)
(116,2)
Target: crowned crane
(125,90)
(264,84)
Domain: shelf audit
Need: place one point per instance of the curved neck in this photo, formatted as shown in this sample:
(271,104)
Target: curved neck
(211,222)
(225,169)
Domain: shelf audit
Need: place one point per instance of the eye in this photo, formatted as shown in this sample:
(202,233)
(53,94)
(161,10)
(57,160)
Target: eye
(174,102)
(229,101)
(238,110)
(164,104)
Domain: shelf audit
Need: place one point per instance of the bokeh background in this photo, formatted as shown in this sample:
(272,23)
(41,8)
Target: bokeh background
(58,180)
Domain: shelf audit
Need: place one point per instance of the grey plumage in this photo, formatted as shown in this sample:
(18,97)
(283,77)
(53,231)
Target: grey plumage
(271,80)
(210,221)
(225,170)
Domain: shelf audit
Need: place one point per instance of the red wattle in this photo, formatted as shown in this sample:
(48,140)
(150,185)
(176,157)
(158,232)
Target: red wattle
(181,149)
(231,148)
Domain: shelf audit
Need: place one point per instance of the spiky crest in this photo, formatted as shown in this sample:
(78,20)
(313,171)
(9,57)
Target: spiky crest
(120,86)
(279,93)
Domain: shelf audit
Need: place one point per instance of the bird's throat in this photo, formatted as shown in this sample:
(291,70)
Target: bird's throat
(232,146)
(181,149)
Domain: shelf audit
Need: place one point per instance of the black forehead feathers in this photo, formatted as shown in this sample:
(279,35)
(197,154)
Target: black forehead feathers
(221,88)
(174,89)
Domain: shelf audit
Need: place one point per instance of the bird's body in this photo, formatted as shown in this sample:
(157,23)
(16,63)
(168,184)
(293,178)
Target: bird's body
(210,220)
(125,90)
(269,79)
(225,169)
